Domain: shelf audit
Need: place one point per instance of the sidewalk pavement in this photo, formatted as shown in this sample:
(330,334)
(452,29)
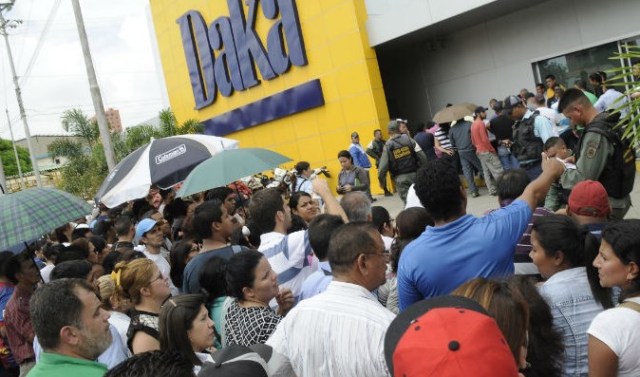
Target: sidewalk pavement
(478,206)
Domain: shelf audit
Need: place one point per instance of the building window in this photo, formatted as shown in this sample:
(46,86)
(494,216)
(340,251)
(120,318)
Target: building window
(578,65)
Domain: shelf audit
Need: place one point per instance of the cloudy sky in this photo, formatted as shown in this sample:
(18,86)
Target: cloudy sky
(120,38)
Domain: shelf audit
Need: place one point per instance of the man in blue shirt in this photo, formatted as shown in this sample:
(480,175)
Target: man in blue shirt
(461,247)
(360,158)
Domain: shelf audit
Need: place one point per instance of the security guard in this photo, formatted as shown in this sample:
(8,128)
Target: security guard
(402,157)
(595,154)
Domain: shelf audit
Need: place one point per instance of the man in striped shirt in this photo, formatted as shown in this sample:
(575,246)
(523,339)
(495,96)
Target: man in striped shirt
(290,255)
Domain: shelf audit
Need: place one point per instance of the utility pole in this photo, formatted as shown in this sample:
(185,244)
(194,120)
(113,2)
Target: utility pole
(3,30)
(93,86)
(15,152)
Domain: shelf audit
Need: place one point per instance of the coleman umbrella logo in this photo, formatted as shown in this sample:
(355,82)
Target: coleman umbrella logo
(171,154)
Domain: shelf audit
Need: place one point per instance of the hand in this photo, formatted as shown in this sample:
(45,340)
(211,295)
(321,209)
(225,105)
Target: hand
(320,187)
(285,301)
(570,160)
(347,188)
(450,152)
(552,165)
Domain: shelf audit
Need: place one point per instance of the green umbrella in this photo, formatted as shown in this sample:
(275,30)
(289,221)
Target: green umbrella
(29,214)
(229,166)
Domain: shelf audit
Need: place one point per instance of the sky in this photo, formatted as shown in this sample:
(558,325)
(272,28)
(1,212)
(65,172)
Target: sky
(124,56)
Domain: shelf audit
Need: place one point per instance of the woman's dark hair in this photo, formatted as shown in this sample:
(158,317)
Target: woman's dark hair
(213,278)
(345,154)
(410,224)
(60,236)
(624,238)
(98,242)
(297,224)
(295,198)
(176,319)
(299,168)
(558,233)
(241,272)
(78,269)
(102,228)
(52,251)
(178,260)
(379,217)
(545,349)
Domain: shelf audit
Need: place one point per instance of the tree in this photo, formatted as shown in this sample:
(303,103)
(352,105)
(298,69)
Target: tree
(76,122)
(9,159)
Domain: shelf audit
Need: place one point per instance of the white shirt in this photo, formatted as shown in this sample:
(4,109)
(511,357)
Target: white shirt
(608,101)
(618,329)
(45,272)
(165,269)
(290,257)
(339,332)
(412,198)
(120,322)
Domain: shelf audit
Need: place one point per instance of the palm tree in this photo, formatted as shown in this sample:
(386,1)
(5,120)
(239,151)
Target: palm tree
(629,77)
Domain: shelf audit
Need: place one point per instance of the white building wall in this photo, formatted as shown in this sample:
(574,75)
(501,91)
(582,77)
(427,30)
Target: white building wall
(494,57)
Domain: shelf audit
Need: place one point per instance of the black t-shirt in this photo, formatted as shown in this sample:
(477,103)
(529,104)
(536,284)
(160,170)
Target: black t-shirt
(502,127)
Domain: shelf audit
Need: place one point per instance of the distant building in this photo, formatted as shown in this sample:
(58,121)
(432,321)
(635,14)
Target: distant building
(113,119)
(40,145)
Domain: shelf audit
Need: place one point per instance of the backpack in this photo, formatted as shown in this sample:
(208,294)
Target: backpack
(619,172)
(526,145)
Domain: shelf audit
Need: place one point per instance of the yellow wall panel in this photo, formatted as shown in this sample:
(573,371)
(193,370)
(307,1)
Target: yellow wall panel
(338,54)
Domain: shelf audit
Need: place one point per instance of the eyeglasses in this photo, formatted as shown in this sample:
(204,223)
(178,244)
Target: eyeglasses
(160,277)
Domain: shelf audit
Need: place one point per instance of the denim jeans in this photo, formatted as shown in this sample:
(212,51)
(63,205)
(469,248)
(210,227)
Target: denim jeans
(469,161)
(508,160)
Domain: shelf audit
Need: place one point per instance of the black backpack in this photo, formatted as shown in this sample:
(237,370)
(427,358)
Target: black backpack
(526,145)
(619,172)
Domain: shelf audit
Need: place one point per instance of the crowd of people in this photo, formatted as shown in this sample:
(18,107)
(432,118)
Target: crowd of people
(300,283)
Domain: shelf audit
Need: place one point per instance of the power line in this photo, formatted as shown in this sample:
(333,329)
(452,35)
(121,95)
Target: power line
(45,31)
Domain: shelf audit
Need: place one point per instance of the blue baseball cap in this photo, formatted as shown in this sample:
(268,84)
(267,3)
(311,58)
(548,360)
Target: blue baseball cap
(143,227)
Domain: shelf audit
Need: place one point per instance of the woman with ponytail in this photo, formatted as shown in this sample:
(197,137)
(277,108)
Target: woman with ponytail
(141,282)
(614,335)
(562,250)
(301,180)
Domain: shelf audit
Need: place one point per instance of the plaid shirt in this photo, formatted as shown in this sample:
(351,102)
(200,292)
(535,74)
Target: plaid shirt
(18,323)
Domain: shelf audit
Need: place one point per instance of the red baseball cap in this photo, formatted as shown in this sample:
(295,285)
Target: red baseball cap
(447,336)
(589,198)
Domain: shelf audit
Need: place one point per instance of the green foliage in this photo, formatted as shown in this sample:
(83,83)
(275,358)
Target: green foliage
(76,122)
(9,158)
(628,78)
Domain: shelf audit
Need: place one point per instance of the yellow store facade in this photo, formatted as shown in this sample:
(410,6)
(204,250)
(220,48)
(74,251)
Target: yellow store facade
(293,76)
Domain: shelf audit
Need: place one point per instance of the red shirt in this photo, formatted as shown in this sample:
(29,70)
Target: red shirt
(480,138)
(18,323)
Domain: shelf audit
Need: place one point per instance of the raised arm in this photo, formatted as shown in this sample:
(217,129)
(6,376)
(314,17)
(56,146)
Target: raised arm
(536,191)
(332,206)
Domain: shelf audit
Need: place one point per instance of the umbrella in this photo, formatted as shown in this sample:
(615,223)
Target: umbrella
(163,162)
(228,166)
(29,214)
(455,112)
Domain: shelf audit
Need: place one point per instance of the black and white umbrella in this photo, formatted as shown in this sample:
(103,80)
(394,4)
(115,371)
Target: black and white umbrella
(163,162)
